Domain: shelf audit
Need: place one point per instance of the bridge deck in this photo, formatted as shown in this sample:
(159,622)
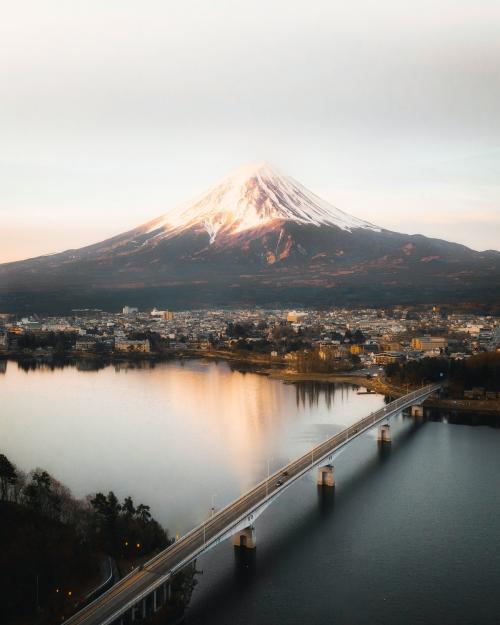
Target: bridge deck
(138,584)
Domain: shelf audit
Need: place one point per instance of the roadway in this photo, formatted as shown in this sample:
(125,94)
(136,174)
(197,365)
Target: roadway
(141,582)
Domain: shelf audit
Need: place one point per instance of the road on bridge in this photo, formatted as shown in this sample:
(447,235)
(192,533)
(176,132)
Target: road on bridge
(138,584)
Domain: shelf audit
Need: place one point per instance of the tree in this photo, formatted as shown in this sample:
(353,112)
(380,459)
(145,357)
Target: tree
(99,503)
(106,507)
(113,506)
(128,507)
(60,346)
(8,476)
(393,370)
(240,330)
(17,490)
(41,495)
(358,337)
(242,344)
(283,331)
(143,513)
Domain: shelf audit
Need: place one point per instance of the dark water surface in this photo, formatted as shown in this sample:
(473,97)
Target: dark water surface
(410,535)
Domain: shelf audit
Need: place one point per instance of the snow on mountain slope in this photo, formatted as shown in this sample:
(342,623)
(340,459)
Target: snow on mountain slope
(253,196)
(255,238)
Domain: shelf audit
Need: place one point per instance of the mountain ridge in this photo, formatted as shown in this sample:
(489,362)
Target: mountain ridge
(253,237)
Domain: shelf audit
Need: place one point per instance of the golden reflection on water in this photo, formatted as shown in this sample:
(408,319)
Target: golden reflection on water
(171,436)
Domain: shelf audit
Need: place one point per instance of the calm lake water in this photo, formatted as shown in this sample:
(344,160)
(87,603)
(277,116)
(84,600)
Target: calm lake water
(173,436)
(411,534)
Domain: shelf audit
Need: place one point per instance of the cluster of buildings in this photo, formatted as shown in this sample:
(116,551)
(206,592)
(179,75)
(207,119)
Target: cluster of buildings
(366,336)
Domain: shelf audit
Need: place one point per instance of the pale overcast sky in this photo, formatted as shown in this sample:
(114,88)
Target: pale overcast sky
(113,111)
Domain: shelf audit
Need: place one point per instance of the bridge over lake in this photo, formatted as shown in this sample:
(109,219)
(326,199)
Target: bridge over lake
(145,589)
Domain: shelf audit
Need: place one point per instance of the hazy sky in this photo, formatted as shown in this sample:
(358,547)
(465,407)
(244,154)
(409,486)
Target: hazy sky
(112,111)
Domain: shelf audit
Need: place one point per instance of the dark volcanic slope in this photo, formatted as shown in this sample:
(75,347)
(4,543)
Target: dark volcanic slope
(215,259)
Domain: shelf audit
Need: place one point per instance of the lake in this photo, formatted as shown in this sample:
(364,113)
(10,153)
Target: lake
(409,535)
(175,436)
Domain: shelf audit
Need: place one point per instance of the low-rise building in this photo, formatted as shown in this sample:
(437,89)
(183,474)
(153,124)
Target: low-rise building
(9,339)
(429,343)
(386,358)
(129,345)
(390,346)
(166,315)
(477,392)
(85,344)
(336,351)
(294,317)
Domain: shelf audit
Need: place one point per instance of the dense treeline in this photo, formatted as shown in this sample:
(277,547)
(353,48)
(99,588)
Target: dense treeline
(124,530)
(482,370)
(51,544)
(59,341)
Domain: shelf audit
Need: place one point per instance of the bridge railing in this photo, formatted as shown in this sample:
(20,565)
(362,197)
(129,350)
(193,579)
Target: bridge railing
(356,428)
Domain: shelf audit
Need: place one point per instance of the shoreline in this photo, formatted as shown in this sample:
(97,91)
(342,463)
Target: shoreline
(354,378)
(260,365)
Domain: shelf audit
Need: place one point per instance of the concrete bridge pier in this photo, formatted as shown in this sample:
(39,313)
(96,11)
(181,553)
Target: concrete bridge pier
(384,433)
(245,538)
(417,411)
(325,476)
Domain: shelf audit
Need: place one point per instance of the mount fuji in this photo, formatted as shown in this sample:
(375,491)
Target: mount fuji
(257,237)
(254,196)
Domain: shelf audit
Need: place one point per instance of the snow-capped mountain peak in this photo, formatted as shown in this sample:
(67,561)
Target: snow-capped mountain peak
(253,196)
(257,237)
